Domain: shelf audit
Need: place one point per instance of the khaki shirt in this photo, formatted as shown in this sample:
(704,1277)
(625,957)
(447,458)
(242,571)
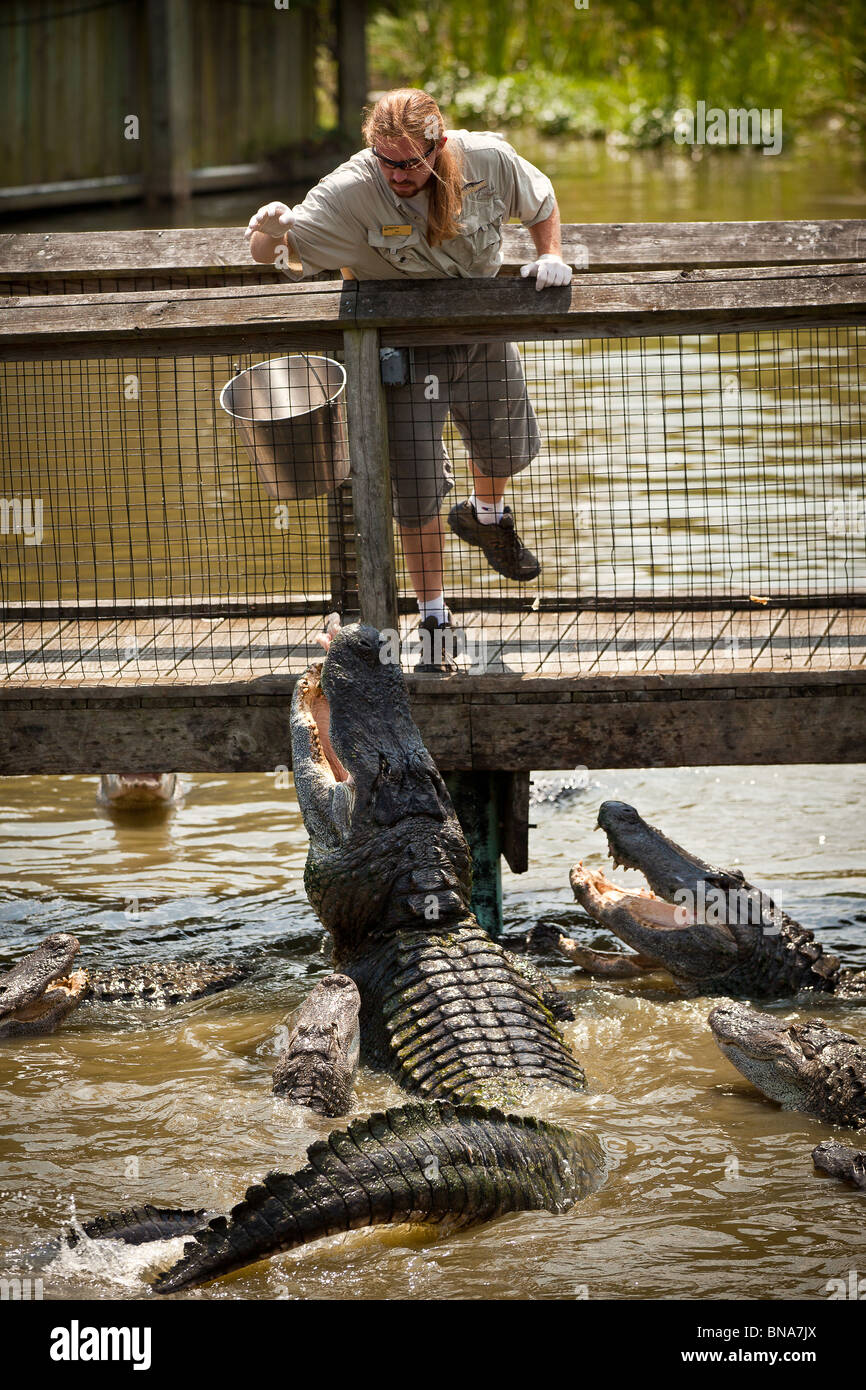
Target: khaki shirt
(353,219)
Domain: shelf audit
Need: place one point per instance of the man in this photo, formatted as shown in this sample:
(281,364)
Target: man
(417,203)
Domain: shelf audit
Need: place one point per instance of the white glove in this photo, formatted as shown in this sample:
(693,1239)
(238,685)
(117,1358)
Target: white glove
(274,219)
(550,271)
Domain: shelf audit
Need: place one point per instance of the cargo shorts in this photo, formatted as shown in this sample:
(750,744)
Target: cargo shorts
(484,389)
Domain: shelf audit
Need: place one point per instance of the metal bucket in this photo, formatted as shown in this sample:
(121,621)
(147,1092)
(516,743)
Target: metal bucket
(289,413)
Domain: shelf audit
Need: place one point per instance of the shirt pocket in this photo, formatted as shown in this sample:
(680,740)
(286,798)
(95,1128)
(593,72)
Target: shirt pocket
(478,243)
(397,248)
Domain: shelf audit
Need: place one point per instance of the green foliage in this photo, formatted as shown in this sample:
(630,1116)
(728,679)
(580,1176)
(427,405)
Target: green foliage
(623,67)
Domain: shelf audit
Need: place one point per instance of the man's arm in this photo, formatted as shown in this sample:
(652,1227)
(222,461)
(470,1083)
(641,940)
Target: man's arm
(549,269)
(547,234)
(263,248)
(268,231)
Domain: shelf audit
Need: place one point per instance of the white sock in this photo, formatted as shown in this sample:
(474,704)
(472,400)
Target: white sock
(488,513)
(433,608)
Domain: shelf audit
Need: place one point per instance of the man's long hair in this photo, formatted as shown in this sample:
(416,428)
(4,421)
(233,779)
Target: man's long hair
(410,114)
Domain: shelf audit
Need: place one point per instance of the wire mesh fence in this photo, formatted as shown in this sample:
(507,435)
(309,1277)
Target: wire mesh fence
(694,503)
(141,541)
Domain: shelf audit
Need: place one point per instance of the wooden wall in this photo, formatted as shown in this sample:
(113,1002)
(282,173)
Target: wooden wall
(224,83)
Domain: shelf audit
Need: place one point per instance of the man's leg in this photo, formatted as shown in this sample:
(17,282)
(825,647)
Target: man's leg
(420,478)
(487,496)
(493,412)
(422,550)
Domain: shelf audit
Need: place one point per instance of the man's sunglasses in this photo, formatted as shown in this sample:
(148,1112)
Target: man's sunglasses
(404,163)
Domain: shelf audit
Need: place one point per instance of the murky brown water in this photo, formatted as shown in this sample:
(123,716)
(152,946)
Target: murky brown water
(711,1192)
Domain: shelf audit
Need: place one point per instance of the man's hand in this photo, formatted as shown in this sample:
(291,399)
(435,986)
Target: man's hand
(550,271)
(274,219)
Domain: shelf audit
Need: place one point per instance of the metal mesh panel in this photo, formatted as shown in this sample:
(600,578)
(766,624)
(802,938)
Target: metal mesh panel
(139,542)
(697,504)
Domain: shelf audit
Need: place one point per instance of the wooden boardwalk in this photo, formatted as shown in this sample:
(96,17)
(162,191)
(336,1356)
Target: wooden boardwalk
(605,683)
(187,652)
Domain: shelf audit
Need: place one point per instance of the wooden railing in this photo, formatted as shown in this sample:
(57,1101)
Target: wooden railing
(69,262)
(363,317)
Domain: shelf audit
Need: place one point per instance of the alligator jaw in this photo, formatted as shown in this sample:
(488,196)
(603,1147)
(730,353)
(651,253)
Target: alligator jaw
(39,992)
(722,935)
(763,1049)
(670,935)
(314,710)
(140,791)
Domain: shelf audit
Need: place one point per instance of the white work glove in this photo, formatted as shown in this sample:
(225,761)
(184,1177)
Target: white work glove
(550,271)
(274,219)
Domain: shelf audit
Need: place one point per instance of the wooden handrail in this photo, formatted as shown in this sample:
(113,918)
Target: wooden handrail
(157,322)
(595,246)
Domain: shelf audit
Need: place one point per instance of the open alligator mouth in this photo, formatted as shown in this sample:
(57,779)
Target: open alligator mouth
(683,920)
(313,703)
(42,989)
(60,993)
(602,897)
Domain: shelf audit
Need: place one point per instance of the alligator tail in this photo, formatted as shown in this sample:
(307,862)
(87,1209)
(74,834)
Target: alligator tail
(429,1163)
(138,1225)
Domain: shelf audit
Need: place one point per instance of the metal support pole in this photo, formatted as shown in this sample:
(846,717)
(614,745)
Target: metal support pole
(476,798)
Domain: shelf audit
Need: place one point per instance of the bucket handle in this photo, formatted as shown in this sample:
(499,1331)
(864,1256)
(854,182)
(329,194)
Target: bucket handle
(311,368)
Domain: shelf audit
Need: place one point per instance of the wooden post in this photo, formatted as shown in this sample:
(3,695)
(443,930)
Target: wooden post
(169,76)
(514,811)
(351,19)
(367,424)
(341,553)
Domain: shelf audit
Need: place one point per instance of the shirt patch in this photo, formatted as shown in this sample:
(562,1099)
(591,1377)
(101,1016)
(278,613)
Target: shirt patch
(475,187)
(401,229)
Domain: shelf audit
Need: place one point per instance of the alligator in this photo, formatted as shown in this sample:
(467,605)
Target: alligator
(316,1070)
(140,791)
(444,1009)
(839,1161)
(707,927)
(317,1067)
(808,1066)
(44,987)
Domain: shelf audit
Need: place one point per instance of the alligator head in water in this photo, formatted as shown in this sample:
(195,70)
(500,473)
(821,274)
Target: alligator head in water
(803,1066)
(708,927)
(840,1161)
(318,1065)
(38,992)
(386,849)
(140,791)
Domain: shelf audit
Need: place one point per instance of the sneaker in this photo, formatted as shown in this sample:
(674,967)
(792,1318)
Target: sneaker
(503,548)
(441,643)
